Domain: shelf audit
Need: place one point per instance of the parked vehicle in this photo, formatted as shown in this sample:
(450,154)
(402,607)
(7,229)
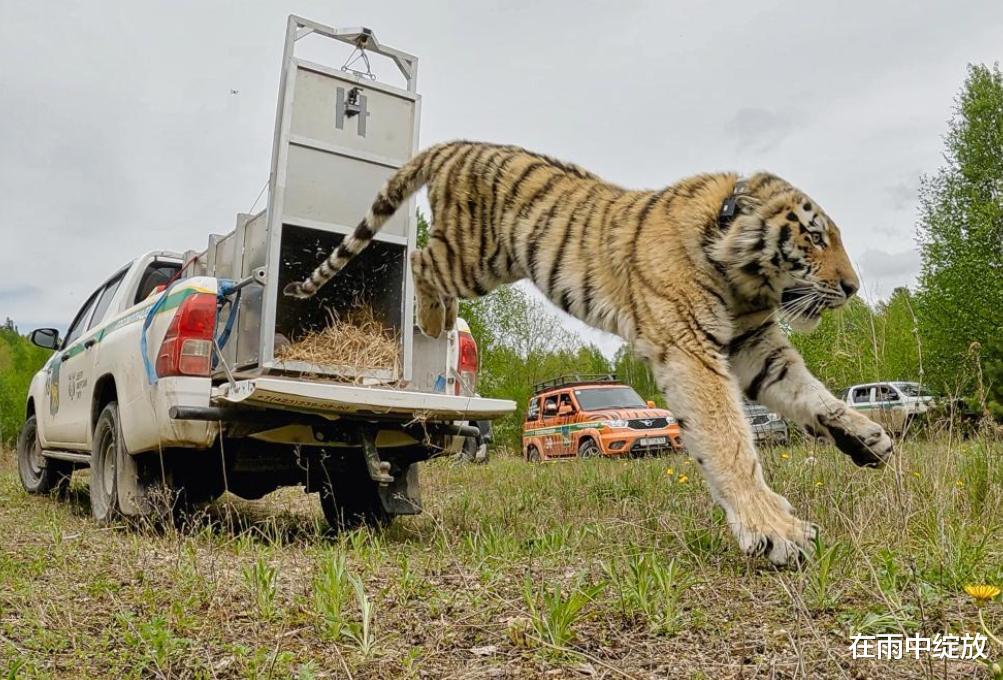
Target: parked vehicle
(169,375)
(892,404)
(586,416)
(767,427)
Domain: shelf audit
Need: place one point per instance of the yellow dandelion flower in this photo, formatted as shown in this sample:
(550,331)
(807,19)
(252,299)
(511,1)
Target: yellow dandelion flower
(960,483)
(818,483)
(785,455)
(683,479)
(669,472)
(915,473)
(982,592)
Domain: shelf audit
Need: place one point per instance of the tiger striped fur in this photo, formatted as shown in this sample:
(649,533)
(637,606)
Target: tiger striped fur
(700,292)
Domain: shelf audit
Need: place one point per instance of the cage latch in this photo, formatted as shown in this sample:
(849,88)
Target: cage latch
(352,105)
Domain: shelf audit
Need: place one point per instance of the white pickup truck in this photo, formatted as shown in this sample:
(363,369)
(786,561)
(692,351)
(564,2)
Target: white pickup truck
(892,404)
(174,372)
(93,404)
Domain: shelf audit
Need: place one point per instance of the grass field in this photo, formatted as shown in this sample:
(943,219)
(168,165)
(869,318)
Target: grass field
(581,569)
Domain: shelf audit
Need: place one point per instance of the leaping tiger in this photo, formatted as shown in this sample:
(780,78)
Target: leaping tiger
(696,277)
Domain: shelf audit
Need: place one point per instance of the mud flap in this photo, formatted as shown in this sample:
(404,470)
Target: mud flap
(133,489)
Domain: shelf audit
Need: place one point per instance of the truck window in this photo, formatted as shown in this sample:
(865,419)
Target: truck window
(156,274)
(550,406)
(565,400)
(80,321)
(597,399)
(887,393)
(861,395)
(104,300)
(533,412)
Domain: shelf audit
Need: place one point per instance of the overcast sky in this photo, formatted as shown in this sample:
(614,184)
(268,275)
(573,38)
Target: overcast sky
(119,132)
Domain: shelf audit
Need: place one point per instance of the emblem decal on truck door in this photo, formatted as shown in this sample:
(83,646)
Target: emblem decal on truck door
(52,384)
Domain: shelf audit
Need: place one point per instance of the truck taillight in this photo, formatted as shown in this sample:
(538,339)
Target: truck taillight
(468,363)
(187,345)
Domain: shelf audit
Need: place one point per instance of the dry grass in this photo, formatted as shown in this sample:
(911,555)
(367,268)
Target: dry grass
(514,570)
(357,340)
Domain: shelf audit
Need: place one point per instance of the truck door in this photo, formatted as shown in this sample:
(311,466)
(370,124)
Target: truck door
(889,411)
(56,416)
(566,414)
(531,425)
(860,399)
(77,371)
(551,432)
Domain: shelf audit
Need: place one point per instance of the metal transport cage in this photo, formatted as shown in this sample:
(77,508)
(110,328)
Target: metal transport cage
(339,134)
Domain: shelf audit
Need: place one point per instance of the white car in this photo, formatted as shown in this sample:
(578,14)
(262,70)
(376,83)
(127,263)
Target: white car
(891,404)
(132,392)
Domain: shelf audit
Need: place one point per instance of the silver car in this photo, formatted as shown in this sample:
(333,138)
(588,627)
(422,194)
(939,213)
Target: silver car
(767,427)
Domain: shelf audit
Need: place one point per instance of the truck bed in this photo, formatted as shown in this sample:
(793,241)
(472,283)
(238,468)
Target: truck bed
(324,398)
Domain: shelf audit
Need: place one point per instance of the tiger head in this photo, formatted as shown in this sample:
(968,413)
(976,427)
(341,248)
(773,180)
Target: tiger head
(784,251)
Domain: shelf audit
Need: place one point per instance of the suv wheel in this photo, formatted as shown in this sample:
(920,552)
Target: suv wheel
(587,448)
(38,474)
(533,454)
(105,456)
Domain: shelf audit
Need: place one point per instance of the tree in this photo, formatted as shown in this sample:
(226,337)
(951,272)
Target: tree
(19,361)
(961,236)
(635,372)
(422,239)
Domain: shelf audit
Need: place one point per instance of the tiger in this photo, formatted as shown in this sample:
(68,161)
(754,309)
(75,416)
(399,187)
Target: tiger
(703,279)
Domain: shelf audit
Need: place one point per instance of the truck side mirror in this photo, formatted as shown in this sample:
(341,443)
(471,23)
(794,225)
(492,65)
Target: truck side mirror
(47,338)
(651,404)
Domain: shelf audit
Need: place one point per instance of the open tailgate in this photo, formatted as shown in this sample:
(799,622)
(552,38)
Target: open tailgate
(329,398)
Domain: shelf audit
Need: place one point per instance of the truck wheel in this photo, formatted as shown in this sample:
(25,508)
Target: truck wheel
(107,448)
(350,498)
(588,449)
(196,479)
(38,474)
(533,454)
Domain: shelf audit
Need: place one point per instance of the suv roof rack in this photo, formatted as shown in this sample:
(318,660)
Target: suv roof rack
(569,379)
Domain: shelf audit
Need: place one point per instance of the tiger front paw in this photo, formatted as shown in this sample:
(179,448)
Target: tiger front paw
(859,437)
(767,527)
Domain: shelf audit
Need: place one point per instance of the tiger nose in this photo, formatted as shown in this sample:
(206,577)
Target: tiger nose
(849,288)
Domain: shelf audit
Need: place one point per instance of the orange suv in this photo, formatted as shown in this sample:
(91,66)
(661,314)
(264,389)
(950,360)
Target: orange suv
(594,415)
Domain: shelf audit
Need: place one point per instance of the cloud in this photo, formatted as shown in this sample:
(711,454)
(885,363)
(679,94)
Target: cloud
(759,130)
(903,194)
(19,294)
(881,272)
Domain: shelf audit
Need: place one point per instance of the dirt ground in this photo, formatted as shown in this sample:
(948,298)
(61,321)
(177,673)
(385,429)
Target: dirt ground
(582,569)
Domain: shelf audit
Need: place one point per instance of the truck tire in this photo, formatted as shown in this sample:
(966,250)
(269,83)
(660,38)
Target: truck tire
(38,474)
(533,454)
(196,479)
(472,452)
(105,456)
(350,498)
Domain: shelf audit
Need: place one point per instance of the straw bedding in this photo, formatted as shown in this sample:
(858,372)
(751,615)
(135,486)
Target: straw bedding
(355,339)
